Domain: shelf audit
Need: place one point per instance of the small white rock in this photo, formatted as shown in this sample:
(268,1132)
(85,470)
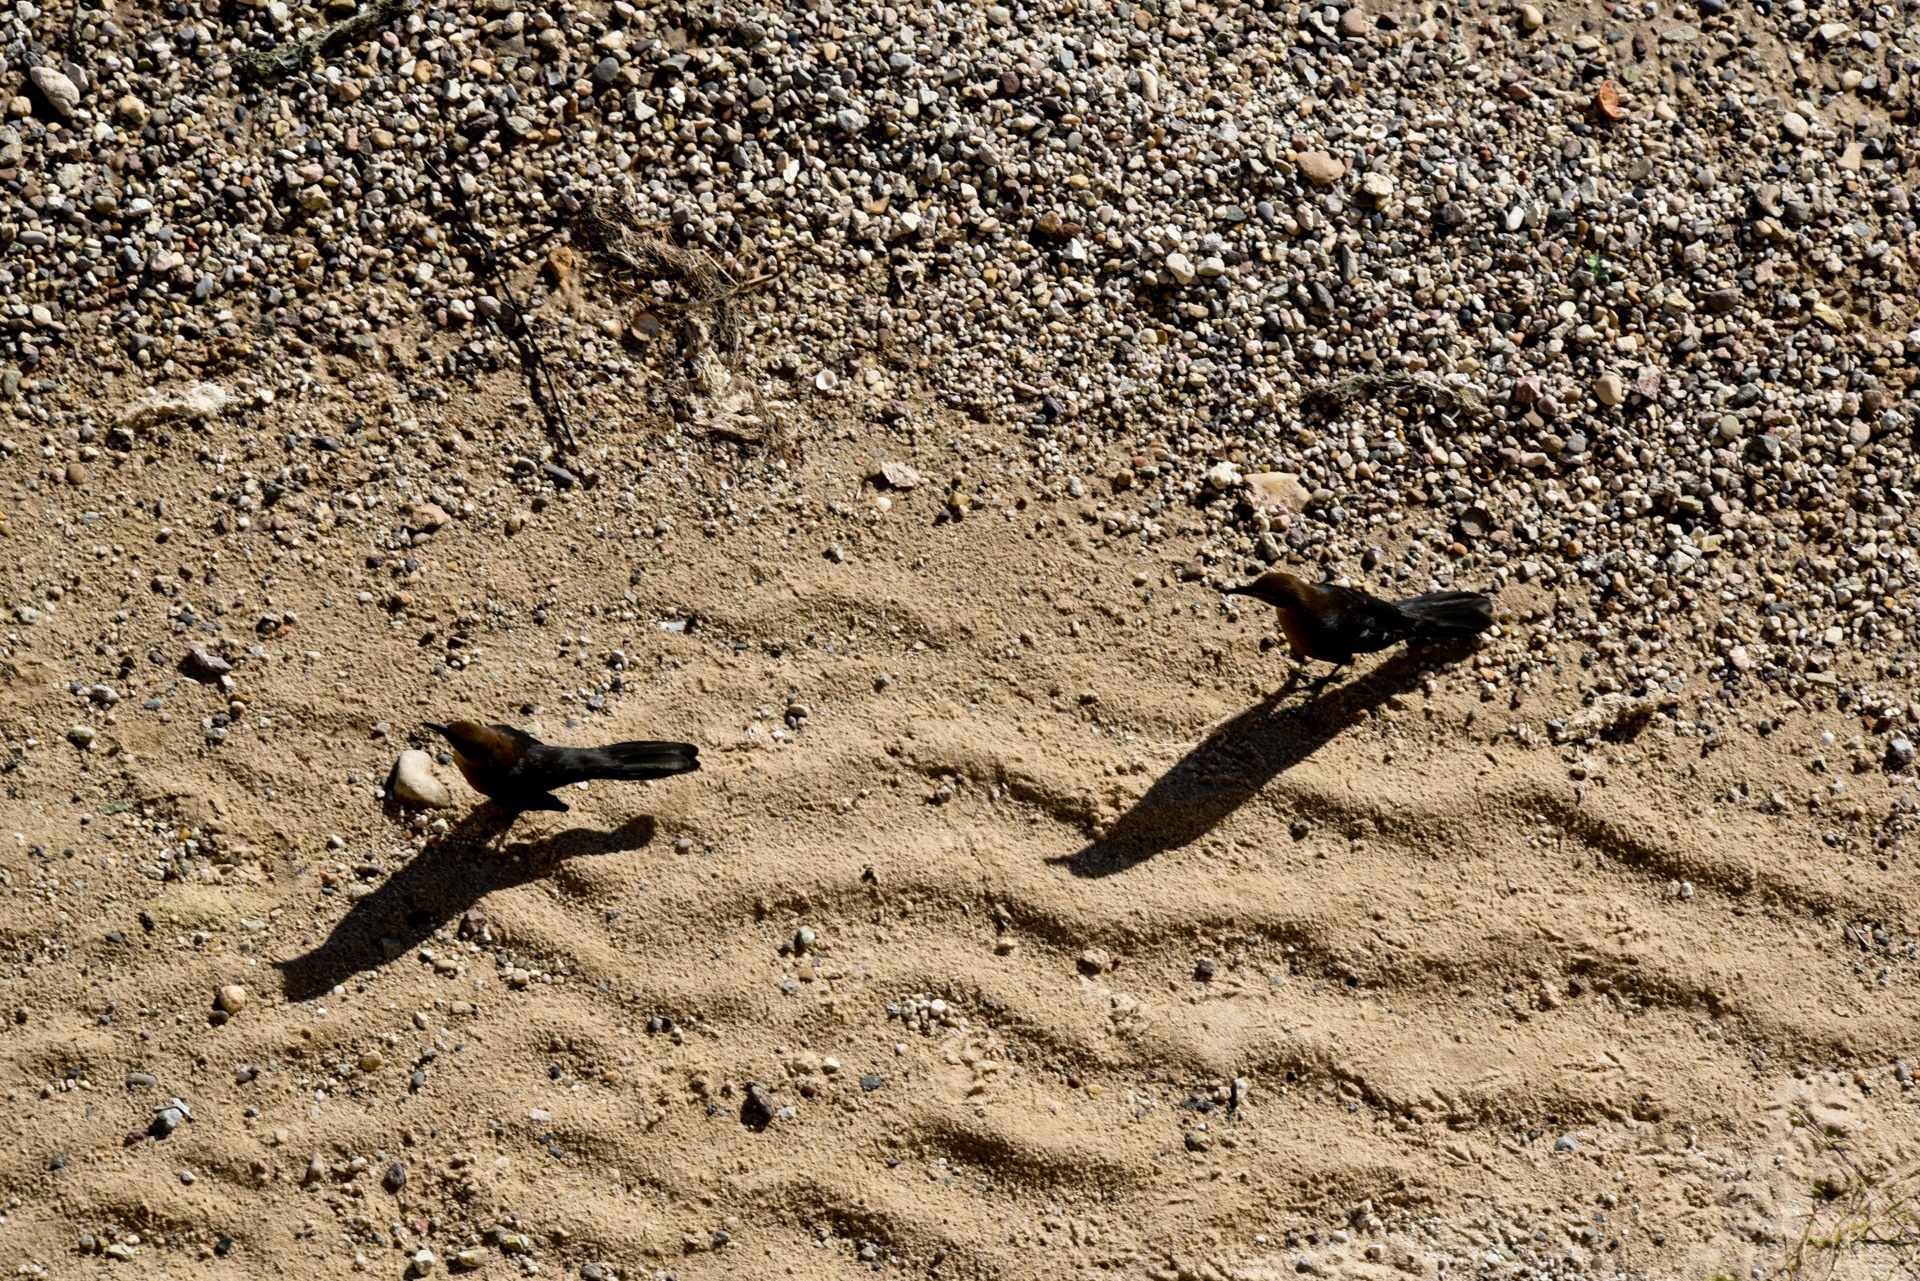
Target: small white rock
(1181,268)
(201,400)
(899,475)
(414,782)
(59,90)
(1277,491)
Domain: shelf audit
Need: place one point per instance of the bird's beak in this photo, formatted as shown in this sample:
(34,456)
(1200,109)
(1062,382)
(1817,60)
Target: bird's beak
(1244,589)
(435,727)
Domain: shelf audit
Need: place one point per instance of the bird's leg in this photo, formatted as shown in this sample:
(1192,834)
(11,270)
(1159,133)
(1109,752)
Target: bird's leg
(499,824)
(1322,682)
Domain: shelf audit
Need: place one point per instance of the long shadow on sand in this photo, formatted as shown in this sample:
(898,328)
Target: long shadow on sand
(1237,760)
(440,883)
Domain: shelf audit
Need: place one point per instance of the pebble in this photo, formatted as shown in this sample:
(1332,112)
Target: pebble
(1095,960)
(414,782)
(192,403)
(898,475)
(169,1118)
(427,517)
(927,1014)
(1273,492)
(1321,169)
(231,999)
(757,1112)
(395,1177)
(59,88)
(205,666)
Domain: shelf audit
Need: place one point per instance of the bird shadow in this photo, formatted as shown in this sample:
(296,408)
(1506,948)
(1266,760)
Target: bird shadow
(437,885)
(1238,759)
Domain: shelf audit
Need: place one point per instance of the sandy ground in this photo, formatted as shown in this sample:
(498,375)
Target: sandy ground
(1473,997)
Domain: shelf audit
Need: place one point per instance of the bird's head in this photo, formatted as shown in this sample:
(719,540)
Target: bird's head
(1278,588)
(470,739)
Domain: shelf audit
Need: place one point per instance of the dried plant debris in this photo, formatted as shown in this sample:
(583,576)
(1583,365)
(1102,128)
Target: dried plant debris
(294,55)
(701,292)
(700,295)
(1396,386)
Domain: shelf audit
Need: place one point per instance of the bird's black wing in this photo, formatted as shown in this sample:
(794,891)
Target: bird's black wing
(547,766)
(543,767)
(1365,623)
(1441,615)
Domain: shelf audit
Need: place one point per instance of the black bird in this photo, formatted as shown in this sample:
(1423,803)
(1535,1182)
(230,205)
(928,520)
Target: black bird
(518,771)
(1332,624)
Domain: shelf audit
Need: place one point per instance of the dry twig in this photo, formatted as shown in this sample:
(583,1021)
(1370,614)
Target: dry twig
(512,321)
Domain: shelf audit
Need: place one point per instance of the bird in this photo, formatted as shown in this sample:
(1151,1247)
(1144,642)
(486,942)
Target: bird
(1331,623)
(519,772)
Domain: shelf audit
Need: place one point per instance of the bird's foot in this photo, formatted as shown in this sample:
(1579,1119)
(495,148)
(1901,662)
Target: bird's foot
(1314,690)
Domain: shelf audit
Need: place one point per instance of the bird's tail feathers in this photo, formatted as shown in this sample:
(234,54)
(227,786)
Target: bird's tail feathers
(1439,615)
(645,760)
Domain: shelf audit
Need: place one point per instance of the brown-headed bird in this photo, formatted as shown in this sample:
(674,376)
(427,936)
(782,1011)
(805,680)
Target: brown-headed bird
(519,772)
(1332,624)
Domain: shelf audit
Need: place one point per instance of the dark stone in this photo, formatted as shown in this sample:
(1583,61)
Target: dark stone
(757,1112)
(203,666)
